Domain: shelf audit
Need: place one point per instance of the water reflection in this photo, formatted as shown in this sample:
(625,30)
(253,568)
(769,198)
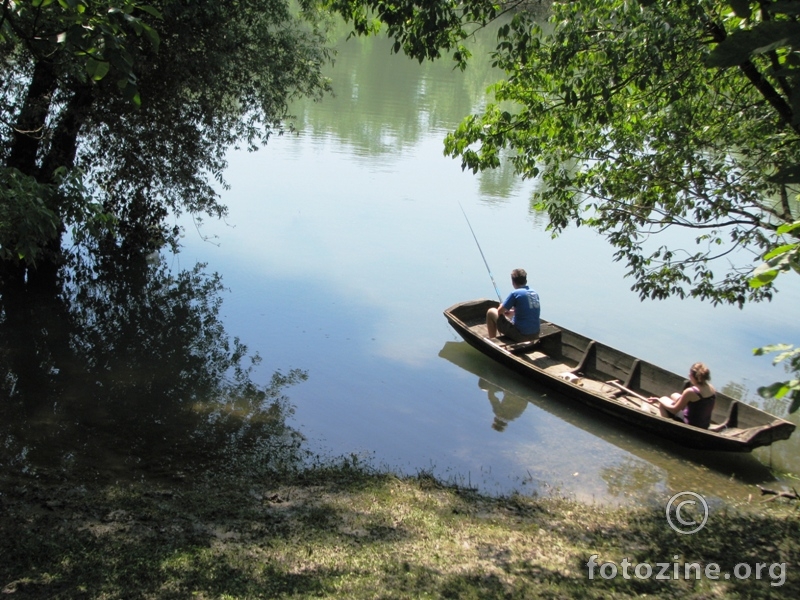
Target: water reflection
(632,466)
(416,103)
(124,368)
(506,407)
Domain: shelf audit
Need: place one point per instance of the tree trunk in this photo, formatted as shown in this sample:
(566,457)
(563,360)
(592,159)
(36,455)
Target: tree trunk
(64,145)
(30,125)
(27,146)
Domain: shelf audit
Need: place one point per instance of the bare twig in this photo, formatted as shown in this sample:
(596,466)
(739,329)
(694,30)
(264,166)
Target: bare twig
(793,495)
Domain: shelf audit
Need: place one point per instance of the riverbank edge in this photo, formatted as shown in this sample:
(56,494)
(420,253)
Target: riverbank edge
(349,532)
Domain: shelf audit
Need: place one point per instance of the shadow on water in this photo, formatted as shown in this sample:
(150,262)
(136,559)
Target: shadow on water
(661,462)
(124,369)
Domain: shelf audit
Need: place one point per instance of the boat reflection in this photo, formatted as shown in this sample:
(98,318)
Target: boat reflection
(649,469)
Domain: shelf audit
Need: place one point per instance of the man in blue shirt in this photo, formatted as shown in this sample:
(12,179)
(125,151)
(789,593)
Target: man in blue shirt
(518,316)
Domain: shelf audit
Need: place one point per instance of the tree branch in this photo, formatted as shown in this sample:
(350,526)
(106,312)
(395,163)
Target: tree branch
(765,88)
(773,55)
(793,495)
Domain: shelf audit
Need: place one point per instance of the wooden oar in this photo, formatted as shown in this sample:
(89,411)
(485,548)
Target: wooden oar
(617,384)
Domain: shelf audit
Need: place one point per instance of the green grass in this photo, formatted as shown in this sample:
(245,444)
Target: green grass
(344,532)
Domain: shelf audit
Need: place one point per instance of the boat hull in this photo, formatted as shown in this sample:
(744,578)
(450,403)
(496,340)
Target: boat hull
(613,382)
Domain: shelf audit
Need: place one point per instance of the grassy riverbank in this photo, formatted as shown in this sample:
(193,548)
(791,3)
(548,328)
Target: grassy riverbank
(345,532)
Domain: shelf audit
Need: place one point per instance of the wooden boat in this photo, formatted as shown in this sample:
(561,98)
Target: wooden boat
(609,433)
(616,383)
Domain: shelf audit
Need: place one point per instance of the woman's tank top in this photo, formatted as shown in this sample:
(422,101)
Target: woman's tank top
(698,413)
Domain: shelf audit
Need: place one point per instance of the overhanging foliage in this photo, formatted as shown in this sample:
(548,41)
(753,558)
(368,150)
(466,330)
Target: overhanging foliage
(142,102)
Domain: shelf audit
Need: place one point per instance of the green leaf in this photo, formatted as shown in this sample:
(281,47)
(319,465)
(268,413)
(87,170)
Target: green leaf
(783,389)
(742,43)
(775,348)
(788,227)
(776,390)
(150,10)
(741,8)
(97,69)
(152,36)
(784,7)
(763,274)
(780,250)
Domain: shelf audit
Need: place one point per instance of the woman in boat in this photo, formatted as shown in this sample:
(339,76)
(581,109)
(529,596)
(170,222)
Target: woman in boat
(695,405)
(518,316)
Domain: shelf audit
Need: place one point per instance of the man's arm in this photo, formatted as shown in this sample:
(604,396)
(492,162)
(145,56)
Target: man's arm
(508,312)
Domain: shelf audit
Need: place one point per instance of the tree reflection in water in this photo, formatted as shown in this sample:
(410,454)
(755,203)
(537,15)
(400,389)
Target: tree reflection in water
(124,367)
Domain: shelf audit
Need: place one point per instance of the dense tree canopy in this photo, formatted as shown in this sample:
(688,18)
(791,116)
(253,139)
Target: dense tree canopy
(123,111)
(614,107)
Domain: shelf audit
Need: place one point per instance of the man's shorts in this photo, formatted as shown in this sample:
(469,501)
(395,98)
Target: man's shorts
(508,329)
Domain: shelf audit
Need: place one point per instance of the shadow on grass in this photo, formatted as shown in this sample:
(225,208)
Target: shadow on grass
(347,533)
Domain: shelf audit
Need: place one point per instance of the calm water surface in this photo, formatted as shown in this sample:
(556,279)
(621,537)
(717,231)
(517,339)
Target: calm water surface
(343,246)
(346,241)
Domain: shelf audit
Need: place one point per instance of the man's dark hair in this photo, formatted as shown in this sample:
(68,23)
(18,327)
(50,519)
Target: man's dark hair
(519,276)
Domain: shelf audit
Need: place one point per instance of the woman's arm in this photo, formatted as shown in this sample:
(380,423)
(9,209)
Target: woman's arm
(676,402)
(683,400)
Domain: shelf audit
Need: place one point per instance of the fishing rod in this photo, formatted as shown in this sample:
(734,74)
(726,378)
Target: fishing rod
(481,251)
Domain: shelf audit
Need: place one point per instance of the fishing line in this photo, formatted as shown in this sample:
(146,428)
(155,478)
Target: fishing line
(481,251)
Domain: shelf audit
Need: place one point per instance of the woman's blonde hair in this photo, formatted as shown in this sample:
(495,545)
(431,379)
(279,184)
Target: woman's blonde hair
(700,372)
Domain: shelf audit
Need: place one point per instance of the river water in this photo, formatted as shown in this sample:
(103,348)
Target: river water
(346,241)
